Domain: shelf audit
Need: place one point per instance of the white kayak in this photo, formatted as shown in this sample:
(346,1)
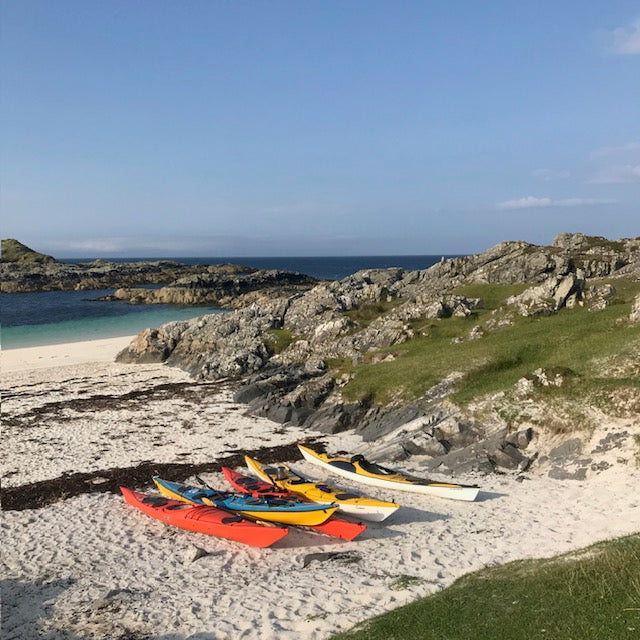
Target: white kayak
(359,469)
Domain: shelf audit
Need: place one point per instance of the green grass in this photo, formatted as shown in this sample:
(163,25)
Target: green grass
(278,340)
(365,314)
(493,295)
(593,594)
(572,339)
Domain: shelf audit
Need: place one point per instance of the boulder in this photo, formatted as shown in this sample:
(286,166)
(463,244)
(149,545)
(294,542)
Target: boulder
(598,297)
(548,297)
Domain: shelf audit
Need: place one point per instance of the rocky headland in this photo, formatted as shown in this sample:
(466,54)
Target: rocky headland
(235,290)
(23,270)
(502,360)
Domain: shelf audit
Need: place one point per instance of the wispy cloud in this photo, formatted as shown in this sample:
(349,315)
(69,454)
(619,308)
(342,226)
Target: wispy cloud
(624,40)
(551,174)
(533,202)
(582,202)
(525,203)
(98,246)
(629,147)
(622,174)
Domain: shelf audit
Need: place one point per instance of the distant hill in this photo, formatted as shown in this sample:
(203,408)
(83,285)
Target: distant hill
(14,251)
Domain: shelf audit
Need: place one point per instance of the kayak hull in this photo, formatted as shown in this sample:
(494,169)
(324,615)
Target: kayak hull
(349,503)
(389,479)
(278,510)
(201,519)
(334,526)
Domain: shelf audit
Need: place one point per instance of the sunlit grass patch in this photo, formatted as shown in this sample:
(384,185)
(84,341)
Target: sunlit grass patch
(593,594)
(573,339)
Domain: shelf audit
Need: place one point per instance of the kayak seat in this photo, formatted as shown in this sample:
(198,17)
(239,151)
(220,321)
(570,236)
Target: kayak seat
(231,519)
(344,465)
(372,467)
(155,501)
(346,496)
(255,501)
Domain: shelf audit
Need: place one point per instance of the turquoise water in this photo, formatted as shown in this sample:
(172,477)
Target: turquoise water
(78,330)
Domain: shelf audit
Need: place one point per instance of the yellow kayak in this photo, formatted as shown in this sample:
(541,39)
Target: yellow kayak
(359,469)
(350,503)
(264,509)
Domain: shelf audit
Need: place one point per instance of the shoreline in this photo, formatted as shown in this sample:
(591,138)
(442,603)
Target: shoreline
(67,353)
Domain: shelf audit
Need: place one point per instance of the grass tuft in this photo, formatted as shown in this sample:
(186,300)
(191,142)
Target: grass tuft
(277,340)
(593,594)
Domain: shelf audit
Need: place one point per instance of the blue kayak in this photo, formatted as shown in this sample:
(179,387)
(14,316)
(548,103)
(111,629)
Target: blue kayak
(261,508)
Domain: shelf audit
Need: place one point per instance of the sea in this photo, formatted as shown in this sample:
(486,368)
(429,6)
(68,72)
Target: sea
(52,317)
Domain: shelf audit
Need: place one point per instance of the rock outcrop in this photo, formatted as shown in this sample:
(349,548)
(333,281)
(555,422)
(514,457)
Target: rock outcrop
(360,318)
(550,296)
(221,289)
(14,251)
(25,277)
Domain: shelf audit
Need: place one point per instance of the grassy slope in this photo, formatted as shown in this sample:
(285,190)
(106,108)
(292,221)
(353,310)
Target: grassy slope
(572,339)
(589,595)
(14,251)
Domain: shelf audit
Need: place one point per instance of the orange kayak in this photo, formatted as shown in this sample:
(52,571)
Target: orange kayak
(209,520)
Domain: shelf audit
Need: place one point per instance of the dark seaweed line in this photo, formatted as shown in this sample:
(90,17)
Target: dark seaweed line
(39,494)
(111,401)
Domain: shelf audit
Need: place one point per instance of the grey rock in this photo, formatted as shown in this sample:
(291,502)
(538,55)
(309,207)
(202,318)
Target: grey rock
(251,392)
(611,441)
(278,413)
(569,448)
(548,297)
(560,473)
(520,439)
(599,297)
(508,457)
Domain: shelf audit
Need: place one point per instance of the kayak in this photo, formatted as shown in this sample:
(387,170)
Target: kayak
(334,526)
(352,504)
(268,509)
(358,468)
(209,520)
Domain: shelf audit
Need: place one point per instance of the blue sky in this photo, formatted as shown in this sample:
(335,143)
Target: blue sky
(316,128)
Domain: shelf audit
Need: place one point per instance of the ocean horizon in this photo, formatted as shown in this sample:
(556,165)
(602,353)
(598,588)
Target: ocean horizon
(54,317)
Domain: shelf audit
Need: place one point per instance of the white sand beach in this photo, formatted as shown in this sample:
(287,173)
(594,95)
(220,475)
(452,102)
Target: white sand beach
(90,566)
(57,355)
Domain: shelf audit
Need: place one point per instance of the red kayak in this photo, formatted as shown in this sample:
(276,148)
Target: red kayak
(336,527)
(209,520)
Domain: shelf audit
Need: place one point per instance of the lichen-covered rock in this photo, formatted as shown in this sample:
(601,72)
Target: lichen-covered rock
(212,346)
(546,298)
(153,345)
(599,297)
